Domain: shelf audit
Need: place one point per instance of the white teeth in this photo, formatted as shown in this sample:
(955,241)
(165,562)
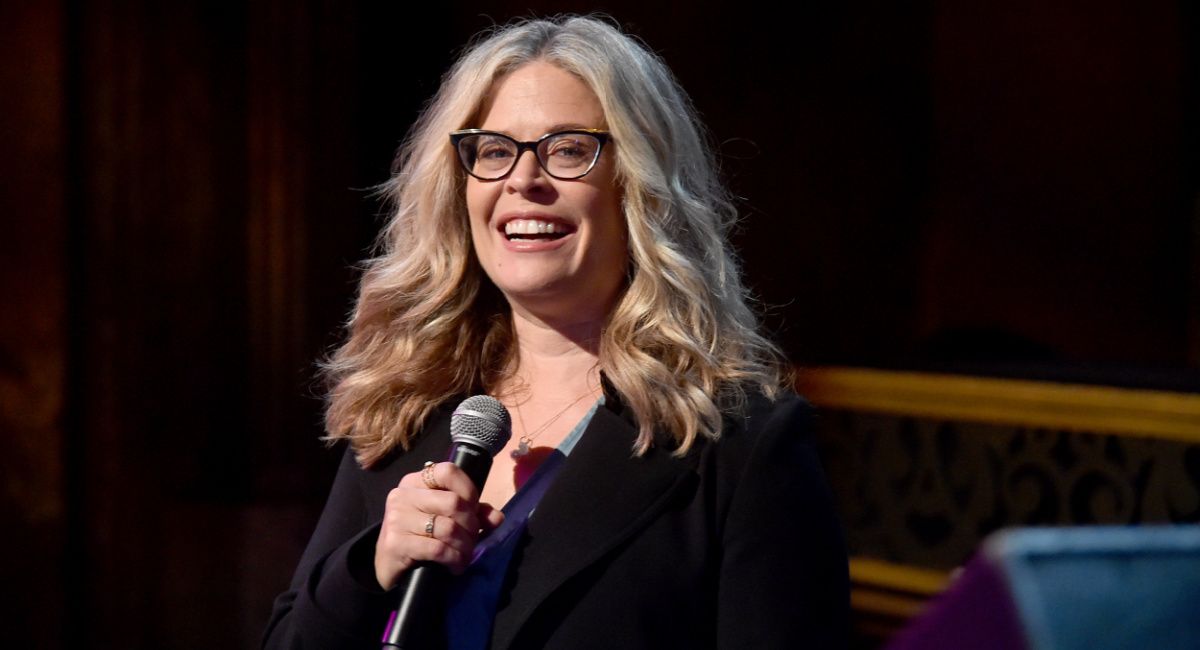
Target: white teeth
(532,227)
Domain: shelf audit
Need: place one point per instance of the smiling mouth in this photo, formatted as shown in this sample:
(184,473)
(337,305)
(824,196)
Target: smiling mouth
(535,230)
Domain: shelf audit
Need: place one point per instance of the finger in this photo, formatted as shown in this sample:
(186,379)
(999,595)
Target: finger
(426,549)
(454,559)
(446,476)
(489,518)
(449,532)
(403,542)
(456,527)
(421,503)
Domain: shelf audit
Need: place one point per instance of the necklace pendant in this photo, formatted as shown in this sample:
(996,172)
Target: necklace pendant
(522,449)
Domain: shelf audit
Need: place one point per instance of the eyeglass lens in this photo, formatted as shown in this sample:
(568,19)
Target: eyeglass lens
(564,155)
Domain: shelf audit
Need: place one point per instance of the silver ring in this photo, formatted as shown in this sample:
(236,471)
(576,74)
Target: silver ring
(429,525)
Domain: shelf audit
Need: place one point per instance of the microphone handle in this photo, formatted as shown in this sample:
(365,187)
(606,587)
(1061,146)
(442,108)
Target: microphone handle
(425,577)
(421,579)
(473,460)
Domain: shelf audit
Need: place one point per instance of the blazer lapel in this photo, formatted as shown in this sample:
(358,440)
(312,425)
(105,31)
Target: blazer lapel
(601,497)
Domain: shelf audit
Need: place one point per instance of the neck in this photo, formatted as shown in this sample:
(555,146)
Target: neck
(555,359)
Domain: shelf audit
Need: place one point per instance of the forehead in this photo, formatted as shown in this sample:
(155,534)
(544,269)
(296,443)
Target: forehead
(537,98)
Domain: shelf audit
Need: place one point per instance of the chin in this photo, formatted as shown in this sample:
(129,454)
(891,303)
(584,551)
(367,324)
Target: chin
(546,292)
(534,283)
(551,299)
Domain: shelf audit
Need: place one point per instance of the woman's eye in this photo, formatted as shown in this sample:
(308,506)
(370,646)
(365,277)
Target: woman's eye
(568,149)
(493,151)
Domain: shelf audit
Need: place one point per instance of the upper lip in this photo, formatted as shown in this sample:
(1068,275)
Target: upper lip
(513,215)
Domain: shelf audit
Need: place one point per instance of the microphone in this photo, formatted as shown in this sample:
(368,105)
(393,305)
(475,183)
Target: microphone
(479,429)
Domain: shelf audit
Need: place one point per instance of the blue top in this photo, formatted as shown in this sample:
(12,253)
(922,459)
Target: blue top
(472,600)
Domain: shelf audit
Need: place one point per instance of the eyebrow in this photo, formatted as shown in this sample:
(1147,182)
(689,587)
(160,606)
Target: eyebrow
(568,126)
(562,126)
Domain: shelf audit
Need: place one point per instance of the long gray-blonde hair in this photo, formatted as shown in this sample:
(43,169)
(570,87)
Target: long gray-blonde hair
(681,344)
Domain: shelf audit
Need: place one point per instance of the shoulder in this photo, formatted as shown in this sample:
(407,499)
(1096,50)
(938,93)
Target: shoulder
(760,422)
(761,413)
(765,448)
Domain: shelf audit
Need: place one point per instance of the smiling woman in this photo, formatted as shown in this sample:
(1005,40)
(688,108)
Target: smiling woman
(559,243)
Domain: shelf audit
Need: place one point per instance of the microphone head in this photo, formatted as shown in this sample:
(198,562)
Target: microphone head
(482,421)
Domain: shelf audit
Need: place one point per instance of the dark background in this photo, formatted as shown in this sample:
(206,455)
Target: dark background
(992,187)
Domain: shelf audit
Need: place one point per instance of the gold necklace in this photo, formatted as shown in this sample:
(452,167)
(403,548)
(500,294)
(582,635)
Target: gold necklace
(522,449)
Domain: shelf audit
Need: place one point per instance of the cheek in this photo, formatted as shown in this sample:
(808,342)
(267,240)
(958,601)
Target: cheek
(612,234)
(614,208)
(475,198)
(479,206)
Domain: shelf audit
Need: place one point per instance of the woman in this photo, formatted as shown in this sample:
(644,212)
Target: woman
(565,251)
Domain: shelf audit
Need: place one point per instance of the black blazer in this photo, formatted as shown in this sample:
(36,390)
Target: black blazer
(733,545)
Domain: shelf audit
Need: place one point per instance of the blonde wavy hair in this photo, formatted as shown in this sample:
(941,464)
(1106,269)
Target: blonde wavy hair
(681,344)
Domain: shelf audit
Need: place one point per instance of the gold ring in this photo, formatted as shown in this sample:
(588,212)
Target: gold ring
(429,525)
(427,476)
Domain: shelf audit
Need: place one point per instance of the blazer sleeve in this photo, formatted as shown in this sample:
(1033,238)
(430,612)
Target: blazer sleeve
(783,579)
(334,600)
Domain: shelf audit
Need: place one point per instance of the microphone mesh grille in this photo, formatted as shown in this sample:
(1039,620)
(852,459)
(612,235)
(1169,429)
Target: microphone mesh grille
(483,421)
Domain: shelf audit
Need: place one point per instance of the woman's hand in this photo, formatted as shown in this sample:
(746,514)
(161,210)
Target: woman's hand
(442,500)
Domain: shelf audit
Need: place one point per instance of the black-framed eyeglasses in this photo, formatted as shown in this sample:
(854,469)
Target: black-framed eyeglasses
(565,155)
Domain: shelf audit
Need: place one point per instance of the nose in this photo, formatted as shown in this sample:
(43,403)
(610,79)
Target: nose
(527,175)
